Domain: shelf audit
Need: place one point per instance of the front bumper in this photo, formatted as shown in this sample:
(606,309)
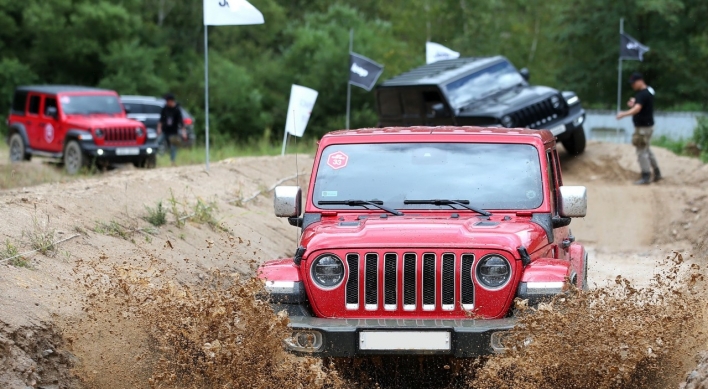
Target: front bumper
(119,153)
(342,337)
(565,128)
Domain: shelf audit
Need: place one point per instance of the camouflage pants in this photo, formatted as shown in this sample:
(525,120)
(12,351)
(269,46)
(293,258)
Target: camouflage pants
(641,139)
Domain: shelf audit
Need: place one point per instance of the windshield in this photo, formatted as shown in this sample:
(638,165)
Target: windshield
(90,104)
(489,176)
(482,83)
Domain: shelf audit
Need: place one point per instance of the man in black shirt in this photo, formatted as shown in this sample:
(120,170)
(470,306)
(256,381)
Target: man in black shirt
(642,112)
(171,122)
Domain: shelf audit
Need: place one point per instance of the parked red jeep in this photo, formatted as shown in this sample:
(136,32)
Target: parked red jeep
(76,125)
(417,240)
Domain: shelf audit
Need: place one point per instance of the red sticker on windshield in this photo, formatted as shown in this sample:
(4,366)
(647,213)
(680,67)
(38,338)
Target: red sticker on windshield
(337,160)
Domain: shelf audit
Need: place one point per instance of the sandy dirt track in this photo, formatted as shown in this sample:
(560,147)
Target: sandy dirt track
(628,230)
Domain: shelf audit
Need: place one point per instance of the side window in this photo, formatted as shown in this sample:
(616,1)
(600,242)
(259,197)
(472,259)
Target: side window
(50,102)
(19,102)
(390,103)
(33,108)
(153,109)
(552,181)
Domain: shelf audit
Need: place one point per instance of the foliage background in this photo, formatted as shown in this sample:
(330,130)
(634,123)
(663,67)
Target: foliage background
(154,46)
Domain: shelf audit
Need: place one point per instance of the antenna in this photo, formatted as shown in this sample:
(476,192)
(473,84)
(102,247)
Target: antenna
(297,176)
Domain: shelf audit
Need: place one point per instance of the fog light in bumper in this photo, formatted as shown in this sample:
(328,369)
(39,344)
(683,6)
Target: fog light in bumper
(304,341)
(149,150)
(579,121)
(99,152)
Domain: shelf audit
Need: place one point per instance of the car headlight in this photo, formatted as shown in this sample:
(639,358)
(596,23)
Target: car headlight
(139,132)
(573,100)
(493,271)
(507,121)
(556,102)
(99,133)
(327,271)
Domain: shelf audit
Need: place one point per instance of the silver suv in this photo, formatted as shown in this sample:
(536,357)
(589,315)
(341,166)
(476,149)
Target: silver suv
(146,109)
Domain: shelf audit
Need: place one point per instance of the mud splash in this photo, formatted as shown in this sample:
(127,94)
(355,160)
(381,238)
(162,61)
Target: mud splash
(216,333)
(615,337)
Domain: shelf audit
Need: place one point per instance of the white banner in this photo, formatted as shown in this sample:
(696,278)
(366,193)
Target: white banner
(435,52)
(302,101)
(231,12)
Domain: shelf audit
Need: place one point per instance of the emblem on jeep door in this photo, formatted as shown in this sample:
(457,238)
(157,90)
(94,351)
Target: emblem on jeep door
(337,160)
(49,133)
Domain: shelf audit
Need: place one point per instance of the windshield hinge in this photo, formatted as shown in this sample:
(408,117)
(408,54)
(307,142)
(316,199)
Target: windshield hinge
(299,253)
(525,257)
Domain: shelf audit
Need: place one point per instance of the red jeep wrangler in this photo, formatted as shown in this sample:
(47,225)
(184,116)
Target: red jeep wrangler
(76,125)
(417,240)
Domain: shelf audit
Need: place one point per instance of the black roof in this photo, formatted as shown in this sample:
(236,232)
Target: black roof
(54,89)
(441,72)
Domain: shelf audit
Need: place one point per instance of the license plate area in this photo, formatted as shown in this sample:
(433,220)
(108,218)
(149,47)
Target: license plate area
(127,151)
(404,340)
(557,130)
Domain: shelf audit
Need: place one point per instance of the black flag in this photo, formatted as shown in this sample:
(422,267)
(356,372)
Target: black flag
(363,72)
(630,48)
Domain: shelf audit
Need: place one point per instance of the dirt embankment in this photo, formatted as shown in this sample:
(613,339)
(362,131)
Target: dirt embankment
(51,305)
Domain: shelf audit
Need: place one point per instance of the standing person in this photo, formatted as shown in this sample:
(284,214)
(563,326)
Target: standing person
(170,124)
(642,112)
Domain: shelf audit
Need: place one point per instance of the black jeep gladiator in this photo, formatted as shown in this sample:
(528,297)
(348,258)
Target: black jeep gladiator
(487,92)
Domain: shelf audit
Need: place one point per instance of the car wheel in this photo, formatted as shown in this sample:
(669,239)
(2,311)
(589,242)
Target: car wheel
(74,158)
(18,149)
(575,144)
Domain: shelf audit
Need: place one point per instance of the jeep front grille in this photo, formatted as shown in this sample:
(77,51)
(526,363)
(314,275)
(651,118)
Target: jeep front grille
(120,134)
(410,281)
(539,115)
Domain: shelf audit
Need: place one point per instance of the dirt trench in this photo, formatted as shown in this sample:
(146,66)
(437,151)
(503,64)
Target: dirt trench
(52,304)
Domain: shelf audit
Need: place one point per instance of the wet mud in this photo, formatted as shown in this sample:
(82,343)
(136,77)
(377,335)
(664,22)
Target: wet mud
(218,333)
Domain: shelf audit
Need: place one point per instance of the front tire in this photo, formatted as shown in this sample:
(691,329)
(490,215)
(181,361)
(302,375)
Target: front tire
(575,143)
(18,149)
(147,163)
(74,158)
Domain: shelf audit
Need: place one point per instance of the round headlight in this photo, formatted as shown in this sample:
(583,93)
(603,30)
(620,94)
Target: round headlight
(556,102)
(98,133)
(327,271)
(507,121)
(139,132)
(493,271)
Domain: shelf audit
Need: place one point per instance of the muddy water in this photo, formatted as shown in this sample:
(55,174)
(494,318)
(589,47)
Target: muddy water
(217,334)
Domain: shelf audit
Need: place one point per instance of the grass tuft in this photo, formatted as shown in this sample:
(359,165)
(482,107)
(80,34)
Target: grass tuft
(9,250)
(204,214)
(156,216)
(41,235)
(112,228)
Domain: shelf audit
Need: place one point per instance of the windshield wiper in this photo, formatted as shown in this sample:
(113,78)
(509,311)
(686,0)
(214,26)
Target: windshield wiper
(461,203)
(362,203)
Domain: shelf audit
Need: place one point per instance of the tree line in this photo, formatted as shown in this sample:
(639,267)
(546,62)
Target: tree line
(154,46)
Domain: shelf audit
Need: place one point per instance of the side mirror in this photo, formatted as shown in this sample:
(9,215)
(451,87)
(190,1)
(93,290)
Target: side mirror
(288,201)
(127,109)
(439,110)
(525,73)
(51,112)
(573,201)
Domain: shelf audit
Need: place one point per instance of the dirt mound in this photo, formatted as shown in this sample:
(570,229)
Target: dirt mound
(33,356)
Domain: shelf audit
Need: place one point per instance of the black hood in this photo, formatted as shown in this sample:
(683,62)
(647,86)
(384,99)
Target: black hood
(507,102)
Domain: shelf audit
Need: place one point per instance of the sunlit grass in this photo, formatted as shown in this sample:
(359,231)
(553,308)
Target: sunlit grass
(220,151)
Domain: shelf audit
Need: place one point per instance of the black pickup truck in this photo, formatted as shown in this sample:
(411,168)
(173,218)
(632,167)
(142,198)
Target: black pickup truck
(487,91)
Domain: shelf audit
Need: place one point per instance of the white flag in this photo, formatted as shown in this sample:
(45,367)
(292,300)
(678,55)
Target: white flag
(230,12)
(302,101)
(435,52)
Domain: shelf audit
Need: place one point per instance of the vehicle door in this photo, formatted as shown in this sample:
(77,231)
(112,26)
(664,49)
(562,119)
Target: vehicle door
(32,121)
(561,232)
(53,133)
(437,110)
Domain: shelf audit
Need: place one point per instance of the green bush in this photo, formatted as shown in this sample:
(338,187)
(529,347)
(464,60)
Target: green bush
(156,216)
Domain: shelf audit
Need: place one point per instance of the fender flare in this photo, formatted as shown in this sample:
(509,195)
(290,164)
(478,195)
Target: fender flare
(20,129)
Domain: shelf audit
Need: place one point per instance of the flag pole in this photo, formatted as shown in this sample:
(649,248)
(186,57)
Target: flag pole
(285,138)
(206,90)
(619,77)
(349,84)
